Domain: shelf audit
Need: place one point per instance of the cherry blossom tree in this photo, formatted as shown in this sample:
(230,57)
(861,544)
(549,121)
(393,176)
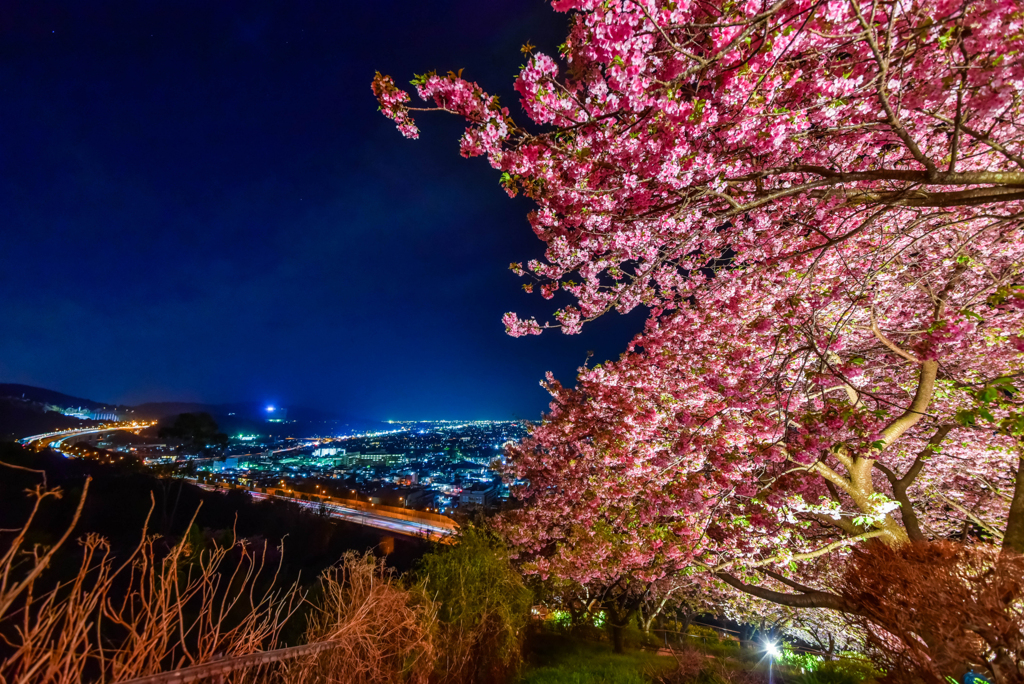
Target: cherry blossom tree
(819,203)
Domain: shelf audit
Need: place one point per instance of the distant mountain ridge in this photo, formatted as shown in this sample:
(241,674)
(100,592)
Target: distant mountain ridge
(250,410)
(160,409)
(232,418)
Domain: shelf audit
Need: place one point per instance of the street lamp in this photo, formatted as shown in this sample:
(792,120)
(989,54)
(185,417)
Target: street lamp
(772,649)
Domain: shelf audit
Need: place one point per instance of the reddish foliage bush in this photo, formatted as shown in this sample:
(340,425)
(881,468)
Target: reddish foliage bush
(933,610)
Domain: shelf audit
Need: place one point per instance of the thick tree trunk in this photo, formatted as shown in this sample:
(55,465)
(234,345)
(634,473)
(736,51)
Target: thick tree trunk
(901,484)
(618,621)
(617,637)
(577,611)
(1013,540)
(684,617)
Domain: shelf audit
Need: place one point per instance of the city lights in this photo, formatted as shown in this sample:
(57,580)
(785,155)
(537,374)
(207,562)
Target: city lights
(390,479)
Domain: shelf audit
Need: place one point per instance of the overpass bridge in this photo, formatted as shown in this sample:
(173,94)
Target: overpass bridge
(54,440)
(403,521)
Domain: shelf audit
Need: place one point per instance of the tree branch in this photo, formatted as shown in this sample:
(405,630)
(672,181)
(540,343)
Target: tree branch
(788,582)
(895,348)
(807,555)
(41,564)
(970,516)
(813,599)
(917,198)
(1009,178)
(917,408)
(900,485)
(843,524)
(982,138)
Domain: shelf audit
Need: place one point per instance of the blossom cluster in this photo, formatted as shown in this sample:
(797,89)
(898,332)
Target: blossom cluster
(820,205)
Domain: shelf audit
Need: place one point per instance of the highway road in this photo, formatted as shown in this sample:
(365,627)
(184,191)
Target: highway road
(54,440)
(424,529)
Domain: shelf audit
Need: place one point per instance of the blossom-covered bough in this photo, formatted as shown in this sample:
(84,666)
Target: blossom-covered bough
(820,204)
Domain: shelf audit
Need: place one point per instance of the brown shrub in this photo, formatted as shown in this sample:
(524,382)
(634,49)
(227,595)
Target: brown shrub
(219,613)
(381,631)
(937,609)
(149,613)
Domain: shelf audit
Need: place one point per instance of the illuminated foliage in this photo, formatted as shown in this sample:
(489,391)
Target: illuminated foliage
(819,203)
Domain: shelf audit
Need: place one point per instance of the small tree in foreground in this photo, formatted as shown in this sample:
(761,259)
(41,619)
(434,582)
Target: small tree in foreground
(483,608)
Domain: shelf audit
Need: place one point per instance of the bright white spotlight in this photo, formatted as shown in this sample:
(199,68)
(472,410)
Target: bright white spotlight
(771,649)
(270,408)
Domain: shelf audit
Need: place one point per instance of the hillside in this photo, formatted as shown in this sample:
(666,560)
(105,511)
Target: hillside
(243,410)
(21,418)
(45,396)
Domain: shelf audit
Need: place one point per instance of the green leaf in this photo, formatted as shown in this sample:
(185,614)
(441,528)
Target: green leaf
(965,418)
(698,110)
(945,38)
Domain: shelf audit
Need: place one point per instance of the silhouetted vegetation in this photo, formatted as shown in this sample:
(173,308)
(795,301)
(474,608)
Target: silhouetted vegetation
(195,431)
(21,418)
(222,593)
(119,502)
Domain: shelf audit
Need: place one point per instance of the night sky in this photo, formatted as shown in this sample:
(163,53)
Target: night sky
(200,202)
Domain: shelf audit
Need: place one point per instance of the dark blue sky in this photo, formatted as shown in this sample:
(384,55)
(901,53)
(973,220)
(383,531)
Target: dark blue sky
(199,201)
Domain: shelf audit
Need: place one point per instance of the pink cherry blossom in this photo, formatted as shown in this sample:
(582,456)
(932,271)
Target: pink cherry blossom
(820,206)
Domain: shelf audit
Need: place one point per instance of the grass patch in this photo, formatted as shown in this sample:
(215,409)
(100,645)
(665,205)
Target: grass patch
(562,659)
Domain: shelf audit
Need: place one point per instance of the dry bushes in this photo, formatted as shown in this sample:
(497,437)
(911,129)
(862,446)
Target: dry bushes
(690,662)
(382,631)
(150,612)
(693,665)
(220,612)
(182,610)
(933,610)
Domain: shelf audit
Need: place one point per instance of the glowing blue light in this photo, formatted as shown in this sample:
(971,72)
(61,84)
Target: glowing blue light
(270,408)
